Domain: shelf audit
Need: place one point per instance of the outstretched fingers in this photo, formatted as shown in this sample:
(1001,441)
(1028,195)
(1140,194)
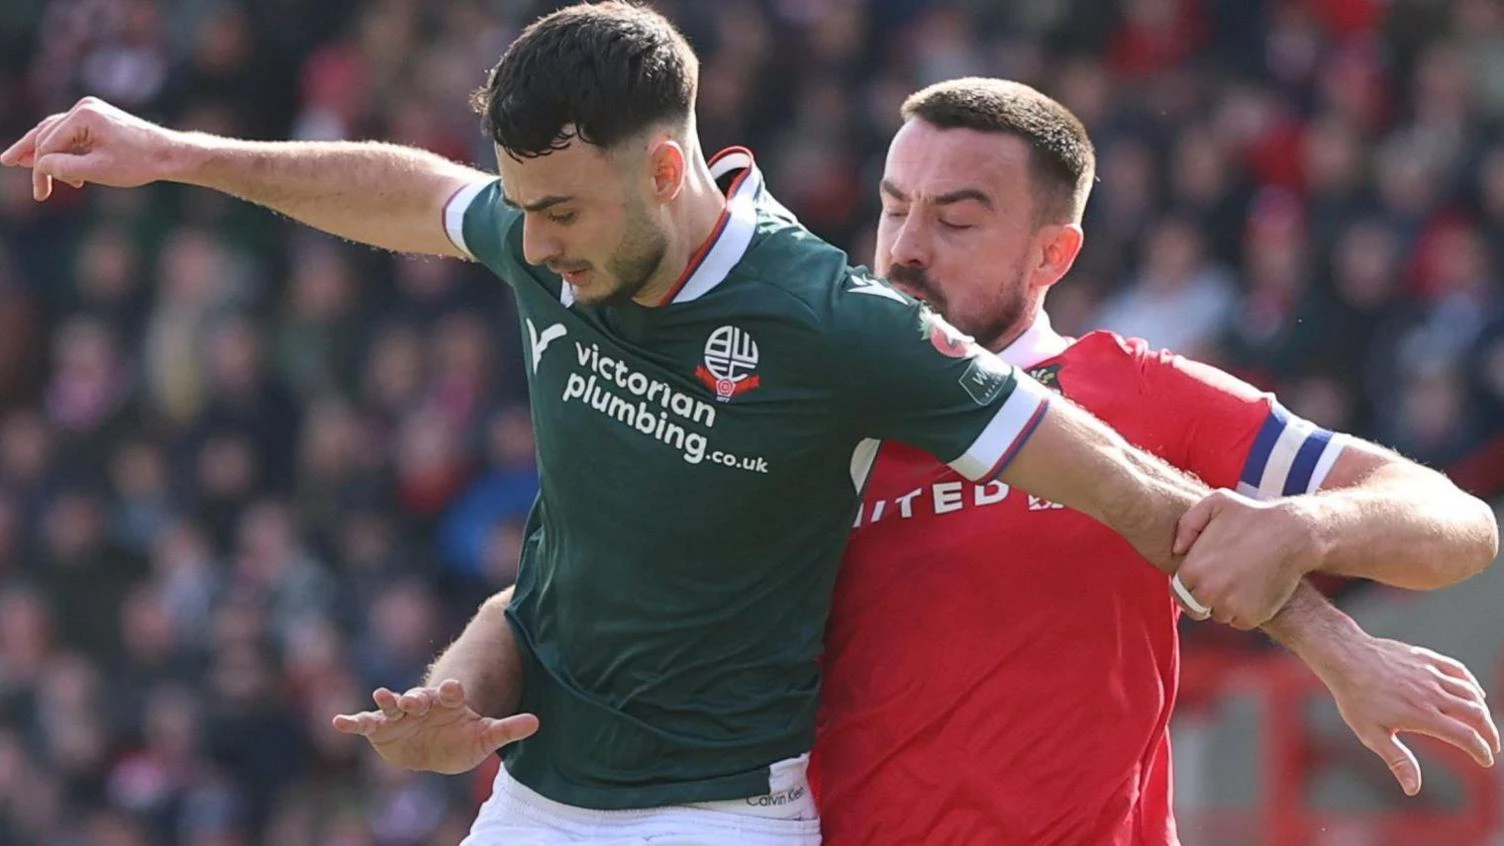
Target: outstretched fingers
(363,723)
(1457,670)
(388,702)
(1467,706)
(498,733)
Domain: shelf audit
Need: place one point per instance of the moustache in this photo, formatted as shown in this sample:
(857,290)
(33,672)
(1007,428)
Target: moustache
(914,278)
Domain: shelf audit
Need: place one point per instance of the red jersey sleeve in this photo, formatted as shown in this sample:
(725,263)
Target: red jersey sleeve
(1233,435)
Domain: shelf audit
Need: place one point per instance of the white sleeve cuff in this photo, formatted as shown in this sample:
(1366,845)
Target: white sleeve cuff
(1006,433)
(454,214)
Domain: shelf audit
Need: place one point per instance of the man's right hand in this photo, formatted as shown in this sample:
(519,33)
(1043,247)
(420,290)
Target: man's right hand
(94,142)
(433,729)
(1244,557)
(385,195)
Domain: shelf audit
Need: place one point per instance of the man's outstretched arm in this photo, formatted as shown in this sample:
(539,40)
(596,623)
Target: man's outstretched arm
(379,194)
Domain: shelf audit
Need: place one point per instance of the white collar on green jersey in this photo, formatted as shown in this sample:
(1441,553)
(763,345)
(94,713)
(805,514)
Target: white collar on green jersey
(732,235)
(1038,343)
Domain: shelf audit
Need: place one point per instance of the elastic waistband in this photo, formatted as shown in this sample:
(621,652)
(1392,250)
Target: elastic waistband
(788,796)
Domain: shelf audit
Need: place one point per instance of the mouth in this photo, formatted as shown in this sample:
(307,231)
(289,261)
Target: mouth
(916,293)
(574,277)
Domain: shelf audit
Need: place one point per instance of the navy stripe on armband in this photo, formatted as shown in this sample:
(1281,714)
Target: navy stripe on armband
(1289,456)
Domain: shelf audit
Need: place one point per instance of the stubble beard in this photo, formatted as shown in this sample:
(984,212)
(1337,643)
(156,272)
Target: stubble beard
(992,329)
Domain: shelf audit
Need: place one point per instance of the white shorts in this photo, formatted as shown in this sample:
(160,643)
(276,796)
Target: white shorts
(516,815)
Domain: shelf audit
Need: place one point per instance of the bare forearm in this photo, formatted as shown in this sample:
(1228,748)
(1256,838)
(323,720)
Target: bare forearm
(1315,630)
(485,659)
(378,194)
(1076,460)
(1405,526)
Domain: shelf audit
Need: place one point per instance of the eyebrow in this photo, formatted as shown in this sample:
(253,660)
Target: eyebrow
(540,204)
(949,198)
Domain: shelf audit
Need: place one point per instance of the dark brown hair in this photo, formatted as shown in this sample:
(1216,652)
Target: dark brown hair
(599,72)
(1062,158)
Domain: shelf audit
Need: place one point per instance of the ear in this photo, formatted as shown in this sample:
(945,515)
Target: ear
(1059,245)
(667,167)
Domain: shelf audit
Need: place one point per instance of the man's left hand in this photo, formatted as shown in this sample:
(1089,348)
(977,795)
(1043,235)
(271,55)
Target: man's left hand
(1384,687)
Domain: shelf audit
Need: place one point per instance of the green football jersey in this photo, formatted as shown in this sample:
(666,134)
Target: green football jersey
(700,467)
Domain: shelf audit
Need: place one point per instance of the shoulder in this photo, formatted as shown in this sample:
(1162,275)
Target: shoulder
(1105,373)
(1109,349)
(791,271)
(1160,400)
(787,260)
(479,221)
(1102,361)
(1108,356)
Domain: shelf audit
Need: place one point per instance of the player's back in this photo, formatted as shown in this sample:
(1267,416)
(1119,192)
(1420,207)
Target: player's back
(1000,669)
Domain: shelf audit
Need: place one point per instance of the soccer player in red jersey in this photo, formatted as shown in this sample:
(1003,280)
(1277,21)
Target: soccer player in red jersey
(1001,670)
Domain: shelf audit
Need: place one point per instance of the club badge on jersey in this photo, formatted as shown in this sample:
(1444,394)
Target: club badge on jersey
(1049,376)
(730,363)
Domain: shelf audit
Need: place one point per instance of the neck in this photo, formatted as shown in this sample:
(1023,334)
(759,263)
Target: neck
(1032,310)
(692,219)
(1007,338)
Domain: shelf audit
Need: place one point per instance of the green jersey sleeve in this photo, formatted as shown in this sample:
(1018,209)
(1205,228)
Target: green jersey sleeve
(904,373)
(479,222)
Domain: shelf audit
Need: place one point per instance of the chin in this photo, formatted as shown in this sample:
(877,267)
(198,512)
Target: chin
(598,294)
(587,295)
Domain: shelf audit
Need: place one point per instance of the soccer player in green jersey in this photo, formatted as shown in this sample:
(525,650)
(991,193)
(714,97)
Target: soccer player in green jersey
(708,382)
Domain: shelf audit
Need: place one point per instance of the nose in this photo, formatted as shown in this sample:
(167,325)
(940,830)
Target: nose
(911,243)
(538,246)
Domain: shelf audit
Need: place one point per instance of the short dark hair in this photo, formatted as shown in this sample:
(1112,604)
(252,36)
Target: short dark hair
(598,72)
(1062,158)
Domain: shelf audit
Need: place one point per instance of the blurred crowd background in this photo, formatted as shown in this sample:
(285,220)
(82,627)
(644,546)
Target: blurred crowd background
(249,473)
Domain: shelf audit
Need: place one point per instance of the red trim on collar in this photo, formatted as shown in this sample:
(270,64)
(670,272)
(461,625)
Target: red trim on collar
(699,255)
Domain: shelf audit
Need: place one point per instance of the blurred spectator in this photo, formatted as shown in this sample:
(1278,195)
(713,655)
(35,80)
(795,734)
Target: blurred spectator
(109,280)
(143,506)
(500,497)
(316,346)
(1180,300)
(90,387)
(248,472)
(398,638)
(85,576)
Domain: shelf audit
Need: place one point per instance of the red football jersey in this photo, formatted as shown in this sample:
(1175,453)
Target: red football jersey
(1000,669)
